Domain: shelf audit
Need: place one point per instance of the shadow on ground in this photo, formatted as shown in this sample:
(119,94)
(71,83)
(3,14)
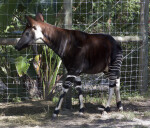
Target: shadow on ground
(93,118)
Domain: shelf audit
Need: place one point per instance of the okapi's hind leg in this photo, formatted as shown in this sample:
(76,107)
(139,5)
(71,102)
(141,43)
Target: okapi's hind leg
(118,98)
(114,87)
(111,92)
(114,83)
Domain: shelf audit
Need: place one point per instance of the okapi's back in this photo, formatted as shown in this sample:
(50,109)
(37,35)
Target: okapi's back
(91,53)
(98,52)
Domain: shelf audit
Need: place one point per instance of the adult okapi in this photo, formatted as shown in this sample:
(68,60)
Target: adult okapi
(80,53)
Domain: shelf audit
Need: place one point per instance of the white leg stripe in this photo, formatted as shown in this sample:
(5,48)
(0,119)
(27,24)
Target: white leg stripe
(117,90)
(81,101)
(64,90)
(111,91)
(118,83)
(71,76)
(60,103)
(78,87)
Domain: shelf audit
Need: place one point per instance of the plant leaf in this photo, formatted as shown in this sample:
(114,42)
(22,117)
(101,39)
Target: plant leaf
(22,65)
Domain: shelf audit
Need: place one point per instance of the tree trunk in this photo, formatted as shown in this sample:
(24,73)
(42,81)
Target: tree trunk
(68,25)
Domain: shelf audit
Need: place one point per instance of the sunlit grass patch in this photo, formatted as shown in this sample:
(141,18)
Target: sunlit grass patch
(147,114)
(136,96)
(128,115)
(27,119)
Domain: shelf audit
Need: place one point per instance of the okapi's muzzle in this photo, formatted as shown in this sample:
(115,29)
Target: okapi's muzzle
(19,46)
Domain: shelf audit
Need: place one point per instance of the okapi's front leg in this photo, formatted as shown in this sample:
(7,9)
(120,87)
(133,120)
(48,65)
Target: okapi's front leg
(68,82)
(79,89)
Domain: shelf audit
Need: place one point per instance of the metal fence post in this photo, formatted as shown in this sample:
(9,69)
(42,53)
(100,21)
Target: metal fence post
(143,72)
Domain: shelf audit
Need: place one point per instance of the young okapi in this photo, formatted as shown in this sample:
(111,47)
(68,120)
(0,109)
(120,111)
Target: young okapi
(80,53)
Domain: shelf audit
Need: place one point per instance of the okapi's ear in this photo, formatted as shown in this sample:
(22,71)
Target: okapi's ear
(39,17)
(31,21)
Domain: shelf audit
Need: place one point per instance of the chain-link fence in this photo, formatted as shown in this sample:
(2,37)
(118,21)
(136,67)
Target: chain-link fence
(32,72)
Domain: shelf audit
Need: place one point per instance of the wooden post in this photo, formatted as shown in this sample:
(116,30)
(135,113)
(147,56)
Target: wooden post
(68,25)
(143,61)
(68,14)
(122,39)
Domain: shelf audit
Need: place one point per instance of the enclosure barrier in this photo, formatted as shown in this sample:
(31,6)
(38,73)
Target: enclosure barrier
(90,82)
(128,19)
(124,39)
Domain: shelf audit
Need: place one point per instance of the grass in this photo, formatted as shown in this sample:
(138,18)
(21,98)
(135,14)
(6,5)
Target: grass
(43,117)
(29,119)
(30,113)
(24,120)
(128,115)
(102,99)
(146,114)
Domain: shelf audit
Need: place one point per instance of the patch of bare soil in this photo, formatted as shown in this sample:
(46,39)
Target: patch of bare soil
(38,114)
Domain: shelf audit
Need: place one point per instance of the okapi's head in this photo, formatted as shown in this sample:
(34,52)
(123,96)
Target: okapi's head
(31,33)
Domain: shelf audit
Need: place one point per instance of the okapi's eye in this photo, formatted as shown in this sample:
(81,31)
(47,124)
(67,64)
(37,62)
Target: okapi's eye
(27,33)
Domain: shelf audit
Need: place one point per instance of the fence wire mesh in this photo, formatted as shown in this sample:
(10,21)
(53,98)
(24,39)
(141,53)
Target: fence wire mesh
(25,74)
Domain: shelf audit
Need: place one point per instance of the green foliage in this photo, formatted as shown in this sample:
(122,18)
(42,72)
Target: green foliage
(16,99)
(22,65)
(49,70)
(10,22)
(13,66)
(109,16)
(7,9)
(7,62)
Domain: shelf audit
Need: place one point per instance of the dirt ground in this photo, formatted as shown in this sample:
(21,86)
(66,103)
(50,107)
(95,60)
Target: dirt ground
(38,114)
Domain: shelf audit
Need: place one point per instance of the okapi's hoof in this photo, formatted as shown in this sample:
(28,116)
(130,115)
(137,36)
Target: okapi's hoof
(119,106)
(54,117)
(107,109)
(55,114)
(81,111)
(101,108)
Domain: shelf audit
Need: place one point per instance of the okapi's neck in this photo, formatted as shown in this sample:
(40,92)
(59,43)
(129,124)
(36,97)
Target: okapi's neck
(55,38)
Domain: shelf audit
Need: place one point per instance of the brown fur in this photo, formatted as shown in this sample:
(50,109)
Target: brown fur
(80,52)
